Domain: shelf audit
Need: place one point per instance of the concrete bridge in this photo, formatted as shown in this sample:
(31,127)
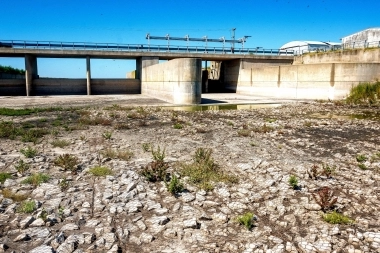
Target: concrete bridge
(181,79)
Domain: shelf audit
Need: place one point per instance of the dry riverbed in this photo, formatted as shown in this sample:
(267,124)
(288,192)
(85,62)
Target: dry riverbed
(332,153)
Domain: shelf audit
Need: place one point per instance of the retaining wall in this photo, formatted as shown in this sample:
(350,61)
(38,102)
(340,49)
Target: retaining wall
(312,81)
(12,87)
(366,55)
(177,81)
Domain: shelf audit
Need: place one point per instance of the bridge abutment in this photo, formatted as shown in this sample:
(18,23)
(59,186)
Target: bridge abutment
(143,62)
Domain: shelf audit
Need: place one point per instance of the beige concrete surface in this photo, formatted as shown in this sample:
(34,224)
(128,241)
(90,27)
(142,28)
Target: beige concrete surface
(131,100)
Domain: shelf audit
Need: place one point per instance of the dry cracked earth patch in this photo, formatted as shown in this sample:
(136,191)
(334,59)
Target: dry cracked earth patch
(75,211)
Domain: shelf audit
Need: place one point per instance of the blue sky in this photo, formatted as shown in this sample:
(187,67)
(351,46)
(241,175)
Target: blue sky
(271,23)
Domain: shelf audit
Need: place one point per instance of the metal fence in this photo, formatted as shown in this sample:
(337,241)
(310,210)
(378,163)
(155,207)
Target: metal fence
(361,44)
(54,45)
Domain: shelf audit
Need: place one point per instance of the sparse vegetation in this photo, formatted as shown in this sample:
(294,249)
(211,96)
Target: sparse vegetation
(125,155)
(22,167)
(7,193)
(29,152)
(60,143)
(146,147)
(64,184)
(293,182)
(328,170)
(107,135)
(174,186)
(156,170)
(100,171)
(362,166)
(4,176)
(36,179)
(68,162)
(204,172)
(364,93)
(324,197)
(361,158)
(177,126)
(337,218)
(27,207)
(246,219)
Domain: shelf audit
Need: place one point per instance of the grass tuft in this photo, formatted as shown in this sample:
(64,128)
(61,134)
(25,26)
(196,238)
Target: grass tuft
(246,220)
(27,207)
(60,143)
(204,172)
(100,171)
(14,196)
(29,152)
(364,93)
(4,176)
(337,218)
(36,179)
(293,181)
(174,186)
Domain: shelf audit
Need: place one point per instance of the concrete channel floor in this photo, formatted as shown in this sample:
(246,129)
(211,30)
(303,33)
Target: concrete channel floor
(133,100)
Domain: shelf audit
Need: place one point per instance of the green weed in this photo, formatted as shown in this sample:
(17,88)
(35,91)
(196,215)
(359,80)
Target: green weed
(99,171)
(364,93)
(22,167)
(68,162)
(4,176)
(27,207)
(107,135)
(36,179)
(293,181)
(337,218)
(246,219)
(361,158)
(29,152)
(146,147)
(60,143)
(204,172)
(174,186)
(177,126)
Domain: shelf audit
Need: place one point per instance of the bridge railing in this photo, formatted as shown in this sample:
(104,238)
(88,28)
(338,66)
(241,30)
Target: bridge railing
(55,45)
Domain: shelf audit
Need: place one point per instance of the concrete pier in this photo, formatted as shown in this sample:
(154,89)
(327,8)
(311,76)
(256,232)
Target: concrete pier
(178,81)
(88,75)
(31,72)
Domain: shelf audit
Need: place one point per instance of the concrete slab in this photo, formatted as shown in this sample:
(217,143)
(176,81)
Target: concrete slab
(131,100)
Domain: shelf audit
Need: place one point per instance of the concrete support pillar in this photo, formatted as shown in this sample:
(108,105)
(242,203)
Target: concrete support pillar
(31,72)
(143,62)
(88,75)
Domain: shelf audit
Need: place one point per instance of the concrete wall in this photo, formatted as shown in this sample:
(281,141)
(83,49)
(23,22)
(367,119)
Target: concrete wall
(11,76)
(368,55)
(12,87)
(61,86)
(177,81)
(312,81)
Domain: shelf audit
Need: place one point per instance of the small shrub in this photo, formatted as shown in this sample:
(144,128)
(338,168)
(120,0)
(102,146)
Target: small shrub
(337,218)
(203,171)
(60,143)
(107,135)
(174,186)
(361,158)
(4,176)
(68,162)
(29,152)
(36,179)
(364,93)
(155,171)
(328,171)
(22,167)
(100,171)
(158,154)
(147,147)
(362,166)
(247,220)
(293,181)
(64,184)
(324,197)
(27,207)
(14,196)
(244,132)
(177,126)
(32,135)
(314,172)
(125,155)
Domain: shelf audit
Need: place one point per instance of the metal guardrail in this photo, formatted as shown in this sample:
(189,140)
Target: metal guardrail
(138,48)
(361,44)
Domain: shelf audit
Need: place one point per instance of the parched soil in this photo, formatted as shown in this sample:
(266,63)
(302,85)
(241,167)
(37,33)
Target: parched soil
(262,148)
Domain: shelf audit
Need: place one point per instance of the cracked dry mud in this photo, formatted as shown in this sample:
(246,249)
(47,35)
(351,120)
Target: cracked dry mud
(262,147)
